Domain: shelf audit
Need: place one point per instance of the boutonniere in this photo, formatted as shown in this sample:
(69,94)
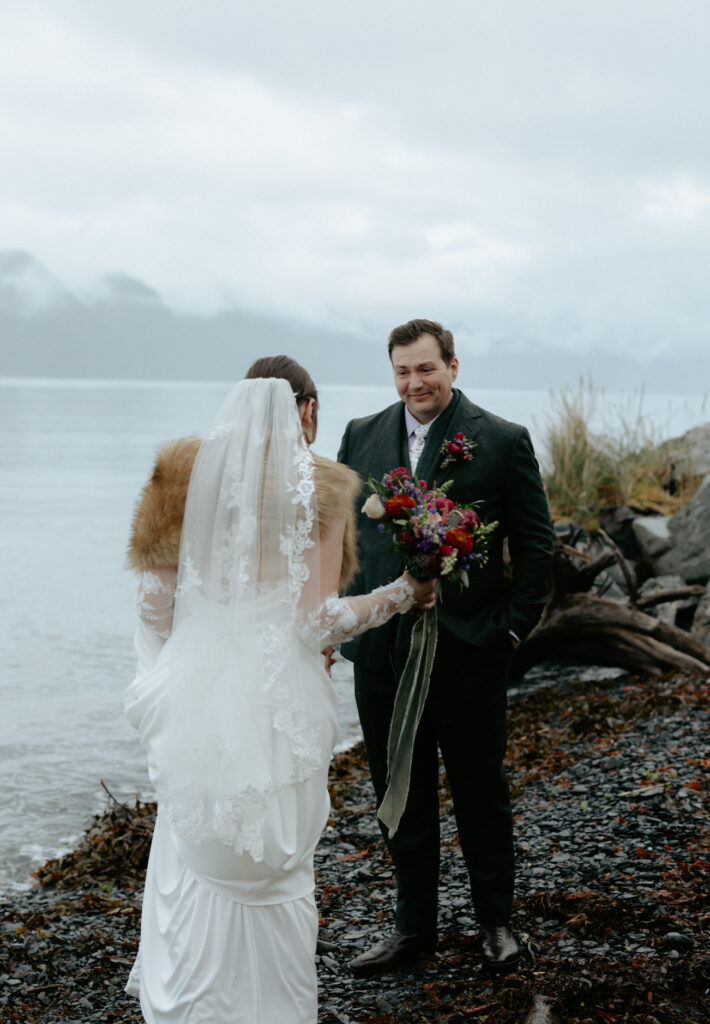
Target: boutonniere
(461,449)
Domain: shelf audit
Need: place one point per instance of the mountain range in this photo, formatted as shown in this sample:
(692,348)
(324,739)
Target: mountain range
(125,330)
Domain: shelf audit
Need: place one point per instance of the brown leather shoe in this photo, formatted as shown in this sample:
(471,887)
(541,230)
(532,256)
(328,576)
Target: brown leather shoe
(500,949)
(396,949)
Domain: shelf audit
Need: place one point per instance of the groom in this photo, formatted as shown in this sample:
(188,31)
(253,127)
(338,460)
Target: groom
(479,627)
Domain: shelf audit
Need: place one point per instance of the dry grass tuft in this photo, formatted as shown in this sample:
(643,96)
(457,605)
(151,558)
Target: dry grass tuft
(625,464)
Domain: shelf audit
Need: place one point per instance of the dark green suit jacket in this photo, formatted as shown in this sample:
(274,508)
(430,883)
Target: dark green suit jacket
(504,476)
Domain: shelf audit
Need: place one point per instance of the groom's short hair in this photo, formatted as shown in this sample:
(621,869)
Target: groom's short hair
(407,333)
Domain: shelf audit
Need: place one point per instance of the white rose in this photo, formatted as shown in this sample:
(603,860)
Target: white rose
(373,507)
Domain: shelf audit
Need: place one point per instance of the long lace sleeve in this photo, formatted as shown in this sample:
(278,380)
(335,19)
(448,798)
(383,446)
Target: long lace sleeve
(155,601)
(339,619)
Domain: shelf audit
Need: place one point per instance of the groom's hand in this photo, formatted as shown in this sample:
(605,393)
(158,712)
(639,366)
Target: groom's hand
(330,659)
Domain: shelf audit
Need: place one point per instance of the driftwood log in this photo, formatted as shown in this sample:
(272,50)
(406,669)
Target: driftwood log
(589,629)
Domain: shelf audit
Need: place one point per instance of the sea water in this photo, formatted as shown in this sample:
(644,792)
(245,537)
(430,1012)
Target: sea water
(73,458)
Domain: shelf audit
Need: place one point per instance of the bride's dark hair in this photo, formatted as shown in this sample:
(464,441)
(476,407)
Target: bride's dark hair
(288,369)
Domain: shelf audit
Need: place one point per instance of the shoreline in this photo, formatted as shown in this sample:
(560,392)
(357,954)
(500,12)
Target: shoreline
(609,807)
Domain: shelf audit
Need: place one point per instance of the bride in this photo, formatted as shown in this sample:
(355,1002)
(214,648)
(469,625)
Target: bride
(242,542)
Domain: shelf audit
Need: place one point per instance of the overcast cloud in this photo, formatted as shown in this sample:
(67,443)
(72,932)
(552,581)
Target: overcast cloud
(526,172)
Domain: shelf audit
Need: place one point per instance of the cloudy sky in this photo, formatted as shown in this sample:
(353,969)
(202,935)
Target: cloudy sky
(527,172)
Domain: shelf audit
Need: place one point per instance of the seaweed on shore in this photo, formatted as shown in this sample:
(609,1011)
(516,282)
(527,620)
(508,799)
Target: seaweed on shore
(112,852)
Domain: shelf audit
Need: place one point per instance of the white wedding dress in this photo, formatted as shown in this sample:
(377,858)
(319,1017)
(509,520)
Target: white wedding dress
(238,719)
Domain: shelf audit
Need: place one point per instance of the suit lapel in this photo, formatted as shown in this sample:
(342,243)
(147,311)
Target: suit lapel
(389,448)
(459,415)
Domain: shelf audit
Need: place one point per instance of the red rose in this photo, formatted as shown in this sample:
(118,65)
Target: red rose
(460,539)
(454,448)
(445,550)
(396,505)
(458,437)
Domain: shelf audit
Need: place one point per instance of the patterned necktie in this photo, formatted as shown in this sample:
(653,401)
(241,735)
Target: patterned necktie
(417,448)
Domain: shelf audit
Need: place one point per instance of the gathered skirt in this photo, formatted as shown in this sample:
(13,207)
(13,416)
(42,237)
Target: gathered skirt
(206,958)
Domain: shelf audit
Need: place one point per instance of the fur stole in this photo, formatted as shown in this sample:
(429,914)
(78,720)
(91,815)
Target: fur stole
(157,521)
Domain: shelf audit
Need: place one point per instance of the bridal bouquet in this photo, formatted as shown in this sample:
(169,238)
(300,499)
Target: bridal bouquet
(437,539)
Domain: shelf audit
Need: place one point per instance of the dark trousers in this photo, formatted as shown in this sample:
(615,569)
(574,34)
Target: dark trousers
(464,716)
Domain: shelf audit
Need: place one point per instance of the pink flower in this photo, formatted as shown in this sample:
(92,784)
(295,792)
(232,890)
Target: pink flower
(444,504)
(396,478)
(467,517)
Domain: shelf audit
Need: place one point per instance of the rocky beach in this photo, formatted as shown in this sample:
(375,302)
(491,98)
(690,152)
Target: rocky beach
(612,904)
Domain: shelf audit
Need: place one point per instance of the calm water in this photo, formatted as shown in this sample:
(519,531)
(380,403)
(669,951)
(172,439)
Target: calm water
(73,456)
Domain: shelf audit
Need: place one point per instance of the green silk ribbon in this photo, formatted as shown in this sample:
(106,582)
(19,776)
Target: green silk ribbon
(409,703)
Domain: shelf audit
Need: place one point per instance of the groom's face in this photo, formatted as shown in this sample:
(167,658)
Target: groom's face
(422,378)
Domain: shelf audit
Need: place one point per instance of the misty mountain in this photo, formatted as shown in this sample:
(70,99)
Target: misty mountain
(125,330)
(27,288)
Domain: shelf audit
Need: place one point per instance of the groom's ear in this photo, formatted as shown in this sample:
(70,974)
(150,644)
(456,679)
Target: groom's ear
(454,367)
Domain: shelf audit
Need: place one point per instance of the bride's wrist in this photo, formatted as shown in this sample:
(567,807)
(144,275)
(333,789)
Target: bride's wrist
(404,585)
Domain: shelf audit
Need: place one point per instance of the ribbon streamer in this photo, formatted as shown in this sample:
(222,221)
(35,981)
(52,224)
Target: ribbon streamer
(408,706)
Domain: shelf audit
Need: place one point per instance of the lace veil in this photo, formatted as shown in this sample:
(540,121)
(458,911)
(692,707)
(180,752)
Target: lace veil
(239,716)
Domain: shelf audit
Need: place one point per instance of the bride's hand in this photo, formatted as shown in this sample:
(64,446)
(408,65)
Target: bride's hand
(424,593)
(330,659)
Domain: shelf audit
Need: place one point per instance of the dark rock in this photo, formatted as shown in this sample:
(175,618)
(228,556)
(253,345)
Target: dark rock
(617,522)
(678,940)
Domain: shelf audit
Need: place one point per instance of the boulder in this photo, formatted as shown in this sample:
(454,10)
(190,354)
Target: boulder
(653,536)
(667,564)
(691,452)
(690,533)
(701,622)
